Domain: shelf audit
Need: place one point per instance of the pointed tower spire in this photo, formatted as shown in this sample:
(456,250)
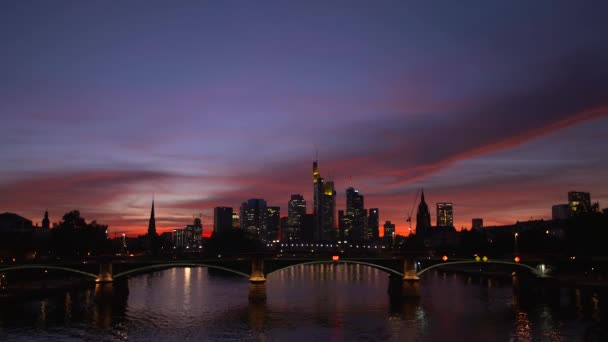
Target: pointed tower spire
(46,223)
(152,224)
(422,195)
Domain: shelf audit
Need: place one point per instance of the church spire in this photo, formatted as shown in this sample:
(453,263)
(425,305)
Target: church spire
(46,223)
(152,224)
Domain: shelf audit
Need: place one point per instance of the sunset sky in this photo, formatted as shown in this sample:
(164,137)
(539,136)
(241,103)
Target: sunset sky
(498,107)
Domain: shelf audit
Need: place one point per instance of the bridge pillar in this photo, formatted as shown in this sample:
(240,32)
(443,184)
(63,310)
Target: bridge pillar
(105,272)
(409,270)
(257,292)
(257,271)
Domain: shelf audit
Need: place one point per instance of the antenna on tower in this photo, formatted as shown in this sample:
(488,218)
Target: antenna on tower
(316,154)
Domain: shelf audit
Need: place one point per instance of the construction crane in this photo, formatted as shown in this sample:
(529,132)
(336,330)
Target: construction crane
(409,216)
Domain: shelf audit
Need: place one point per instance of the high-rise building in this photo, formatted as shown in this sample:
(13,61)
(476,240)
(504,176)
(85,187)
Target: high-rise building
(373,224)
(318,188)
(329,212)
(560,211)
(580,203)
(445,215)
(423,218)
(253,218)
(342,225)
(273,221)
(222,219)
(197,229)
(283,228)
(46,223)
(355,216)
(389,229)
(308,227)
(152,222)
(477,223)
(296,210)
(236,222)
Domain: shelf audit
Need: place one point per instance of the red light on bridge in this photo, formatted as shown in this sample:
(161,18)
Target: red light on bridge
(335,258)
(444,258)
(517,259)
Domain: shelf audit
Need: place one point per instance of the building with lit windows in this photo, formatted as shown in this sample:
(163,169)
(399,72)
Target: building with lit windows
(355,216)
(373,224)
(296,210)
(253,218)
(579,203)
(273,222)
(445,215)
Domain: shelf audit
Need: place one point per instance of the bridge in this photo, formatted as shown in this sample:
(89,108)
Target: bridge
(406,267)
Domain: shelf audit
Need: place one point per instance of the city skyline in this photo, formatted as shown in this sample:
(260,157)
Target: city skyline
(208,105)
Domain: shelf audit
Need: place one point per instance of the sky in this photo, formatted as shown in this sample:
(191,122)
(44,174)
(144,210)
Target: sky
(498,107)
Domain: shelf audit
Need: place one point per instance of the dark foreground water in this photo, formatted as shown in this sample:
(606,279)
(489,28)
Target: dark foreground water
(304,303)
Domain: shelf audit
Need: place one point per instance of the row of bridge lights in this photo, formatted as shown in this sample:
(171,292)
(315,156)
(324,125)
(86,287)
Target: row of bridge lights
(478,259)
(322,245)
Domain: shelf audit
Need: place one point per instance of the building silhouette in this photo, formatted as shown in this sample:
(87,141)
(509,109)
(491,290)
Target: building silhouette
(355,217)
(373,224)
(152,222)
(423,218)
(477,223)
(46,223)
(389,233)
(253,218)
(324,206)
(272,223)
(445,215)
(222,219)
(296,210)
(579,203)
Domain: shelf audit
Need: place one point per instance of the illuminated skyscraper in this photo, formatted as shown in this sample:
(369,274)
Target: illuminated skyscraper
(355,216)
(273,221)
(445,215)
(253,218)
(324,206)
(579,202)
(296,210)
(423,218)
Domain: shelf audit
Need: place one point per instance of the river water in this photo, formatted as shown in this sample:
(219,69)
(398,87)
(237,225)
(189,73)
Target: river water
(303,303)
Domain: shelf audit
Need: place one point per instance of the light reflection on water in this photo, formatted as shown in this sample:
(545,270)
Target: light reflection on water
(332,302)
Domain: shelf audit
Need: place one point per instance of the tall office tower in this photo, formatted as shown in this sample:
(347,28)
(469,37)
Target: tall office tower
(197,227)
(152,222)
(445,215)
(222,219)
(296,210)
(580,203)
(236,222)
(389,229)
(373,224)
(342,225)
(253,219)
(423,218)
(283,227)
(477,223)
(46,223)
(355,215)
(329,212)
(308,227)
(318,191)
(273,221)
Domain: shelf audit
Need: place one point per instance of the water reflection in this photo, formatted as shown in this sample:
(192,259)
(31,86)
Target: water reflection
(320,302)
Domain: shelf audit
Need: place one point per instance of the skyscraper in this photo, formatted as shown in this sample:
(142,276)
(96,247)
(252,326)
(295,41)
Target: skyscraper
(324,206)
(329,212)
(273,221)
(389,230)
(477,223)
(373,224)
(296,209)
(445,215)
(253,218)
(152,223)
(423,218)
(222,219)
(355,216)
(579,202)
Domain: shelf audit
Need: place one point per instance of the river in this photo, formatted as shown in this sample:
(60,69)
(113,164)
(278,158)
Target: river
(304,303)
